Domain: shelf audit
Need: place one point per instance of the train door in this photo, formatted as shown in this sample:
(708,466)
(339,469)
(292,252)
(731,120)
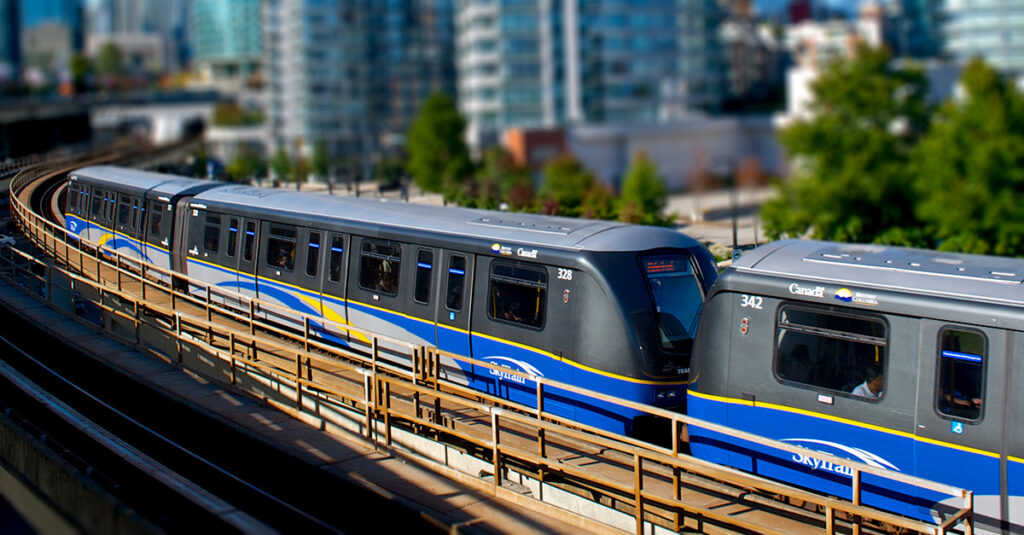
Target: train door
(453,306)
(332,292)
(180,241)
(1014,495)
(960,415)
(248,237)
(157,232)
(125,225)
(279,271)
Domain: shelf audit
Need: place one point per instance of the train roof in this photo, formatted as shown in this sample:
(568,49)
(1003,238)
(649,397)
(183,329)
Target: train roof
(901,269)
(492,226)
(159,184)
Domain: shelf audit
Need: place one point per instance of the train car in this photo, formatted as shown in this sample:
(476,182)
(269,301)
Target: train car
(905,359)
(129,211)
(606,306)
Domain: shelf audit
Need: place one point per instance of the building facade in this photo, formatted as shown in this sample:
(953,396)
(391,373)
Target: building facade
(227,40)
(352,75)
(991,29)
(548,63)
(10,41)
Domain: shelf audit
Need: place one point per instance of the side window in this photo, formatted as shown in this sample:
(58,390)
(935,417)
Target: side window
(156,215)
(517,294)
(211,233)
(281,246)
(424,267)
(839,352)
(73,198)
(337,252)
(110,204)
(249,246)
(456,282)
(313,254)
(961,376)
(97,203)
(379,266)
(232,237)
(136,214)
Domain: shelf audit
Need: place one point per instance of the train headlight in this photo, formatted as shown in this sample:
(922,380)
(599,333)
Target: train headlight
(663,395)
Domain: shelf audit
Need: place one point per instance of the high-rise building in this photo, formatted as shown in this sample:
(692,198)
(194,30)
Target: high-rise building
(991,29)
(912,27)
(131,22)
(227,39)
(10,41)
(66,13)
(352,75)
(556,62)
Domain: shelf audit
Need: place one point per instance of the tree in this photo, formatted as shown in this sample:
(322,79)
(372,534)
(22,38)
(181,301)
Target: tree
(281,164)
(971,168)
(565,183)
(643,193)
(110,63)
(853,177)
(438,156)
(81,68)
(320,162)
(245,165)
(499,180)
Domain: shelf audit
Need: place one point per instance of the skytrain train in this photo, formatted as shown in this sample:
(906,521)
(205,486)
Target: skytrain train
(904,359)
(606,306)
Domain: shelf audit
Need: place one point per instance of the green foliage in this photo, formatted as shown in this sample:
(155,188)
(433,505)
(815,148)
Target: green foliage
(565,183)
(231,114)
(970,168)
(438,156)
(110,61)
(80,67)
(643,193)
(281,164)
(500,180)
(245,165)
(853,157)
(320,162)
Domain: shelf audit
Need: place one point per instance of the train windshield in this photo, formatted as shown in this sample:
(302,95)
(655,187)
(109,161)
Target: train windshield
(677,298)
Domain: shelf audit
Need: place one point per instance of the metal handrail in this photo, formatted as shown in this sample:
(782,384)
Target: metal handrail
(381,376)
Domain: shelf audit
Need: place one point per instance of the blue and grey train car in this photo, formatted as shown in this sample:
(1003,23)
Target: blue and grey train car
(129,211)
(904,359)
(605,306)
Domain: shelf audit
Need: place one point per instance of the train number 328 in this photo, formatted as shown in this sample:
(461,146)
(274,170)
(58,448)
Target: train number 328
(564,274)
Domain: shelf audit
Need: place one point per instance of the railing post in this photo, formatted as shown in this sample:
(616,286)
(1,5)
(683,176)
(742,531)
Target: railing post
(855,488)
(298,381)
(638,489)
(387,413)
(368,402)
(496,454)
(177,336)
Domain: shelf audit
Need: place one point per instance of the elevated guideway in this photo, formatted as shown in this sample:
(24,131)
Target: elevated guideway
(582,476)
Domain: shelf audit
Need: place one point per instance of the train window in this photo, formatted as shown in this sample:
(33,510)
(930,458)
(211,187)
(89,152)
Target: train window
(232,237)
(155,218)
(281,246)
(677,297)
(839,352)
(97,203)
(108,212)
(249,246)
(337,250)
(424,267)
(313,254)
(517,294)
(378,270)
(456,282)
(961,377)
(136,214)
(73,198)
(211,233)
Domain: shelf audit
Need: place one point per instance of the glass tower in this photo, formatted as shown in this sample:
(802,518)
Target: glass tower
(992,29)
(353,74)
(548,63)
(226,36)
